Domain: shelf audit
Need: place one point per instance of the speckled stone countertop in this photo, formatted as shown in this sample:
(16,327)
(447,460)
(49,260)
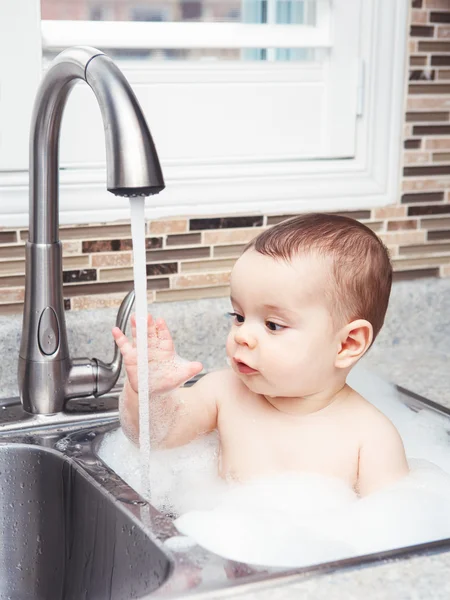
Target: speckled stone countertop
(412,350)
(418,578)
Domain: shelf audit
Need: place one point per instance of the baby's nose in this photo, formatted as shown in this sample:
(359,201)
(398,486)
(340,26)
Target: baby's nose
(244,336)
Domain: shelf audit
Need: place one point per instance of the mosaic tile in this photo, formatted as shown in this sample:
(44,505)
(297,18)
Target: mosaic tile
(439,17)
(168,226)
(125,274)
(439,223)
(439,4)
(414,211)
(424,197)
(12,252)
(178,254)
(153,242)
(419,17)
(118,259)
(429,88)
(184,239)
(412,144)
(418,61)
(12,281)
(162,269)
(440,61)
(438,235)
(207,265)
(12,295)
(425,249)
(401,225)
(111,287)
(431,130)
(230,235)
(80,275)
(437,46)
(421,31)
(389,212)
(225,223)
(107,245)
(422,75)
(12,267)
(201,280)
(192,294)
(424,171)
(11,309)
(8,237)
(228,250)
(426,116)
(441,157)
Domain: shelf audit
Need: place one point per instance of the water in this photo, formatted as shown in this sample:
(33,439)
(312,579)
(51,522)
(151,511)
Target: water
(137,208)
(294,520)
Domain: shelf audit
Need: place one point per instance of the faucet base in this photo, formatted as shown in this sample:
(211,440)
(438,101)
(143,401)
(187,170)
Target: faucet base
(41,386)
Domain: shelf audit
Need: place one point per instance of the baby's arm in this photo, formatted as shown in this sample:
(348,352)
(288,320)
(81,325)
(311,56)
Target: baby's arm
(177,415)
(382,458)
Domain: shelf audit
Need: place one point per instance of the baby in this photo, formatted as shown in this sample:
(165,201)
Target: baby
(309,297)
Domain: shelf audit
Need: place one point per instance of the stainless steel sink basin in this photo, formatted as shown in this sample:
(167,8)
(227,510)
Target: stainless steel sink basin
(62,536)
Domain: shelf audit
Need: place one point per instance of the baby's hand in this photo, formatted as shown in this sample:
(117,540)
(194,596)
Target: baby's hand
(167,370)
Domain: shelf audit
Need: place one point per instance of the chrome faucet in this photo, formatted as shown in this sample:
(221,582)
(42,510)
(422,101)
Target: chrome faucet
(47,375)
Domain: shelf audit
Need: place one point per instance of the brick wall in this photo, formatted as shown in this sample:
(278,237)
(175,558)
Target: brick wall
(191,258)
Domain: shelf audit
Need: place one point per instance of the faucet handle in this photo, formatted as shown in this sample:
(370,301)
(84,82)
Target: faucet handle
(107,374)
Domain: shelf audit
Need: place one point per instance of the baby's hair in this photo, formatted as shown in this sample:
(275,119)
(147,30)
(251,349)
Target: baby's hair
(361,270)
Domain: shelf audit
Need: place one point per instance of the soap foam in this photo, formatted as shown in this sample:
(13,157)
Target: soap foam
(181,479)
(294,520)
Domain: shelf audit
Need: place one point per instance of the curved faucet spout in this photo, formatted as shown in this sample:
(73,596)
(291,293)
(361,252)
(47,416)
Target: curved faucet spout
(132,162)
(132,169)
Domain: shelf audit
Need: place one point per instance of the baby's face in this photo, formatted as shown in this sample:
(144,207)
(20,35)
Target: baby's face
(283,341)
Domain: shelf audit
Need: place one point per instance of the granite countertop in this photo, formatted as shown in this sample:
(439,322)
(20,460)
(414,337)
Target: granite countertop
(412,350)
(418,578)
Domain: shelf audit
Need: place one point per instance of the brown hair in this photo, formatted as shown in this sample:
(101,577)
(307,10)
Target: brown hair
(360,266)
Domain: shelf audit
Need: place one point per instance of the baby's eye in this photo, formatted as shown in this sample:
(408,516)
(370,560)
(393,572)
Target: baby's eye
(237,317)
(274,326)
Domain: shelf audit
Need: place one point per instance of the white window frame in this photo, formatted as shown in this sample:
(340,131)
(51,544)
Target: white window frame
(370,178)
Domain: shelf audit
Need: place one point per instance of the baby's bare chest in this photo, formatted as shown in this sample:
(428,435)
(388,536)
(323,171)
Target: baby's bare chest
(257,442)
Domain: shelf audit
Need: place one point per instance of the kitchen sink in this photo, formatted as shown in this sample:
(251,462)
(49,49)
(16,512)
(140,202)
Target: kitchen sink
(62,536)
(71,528)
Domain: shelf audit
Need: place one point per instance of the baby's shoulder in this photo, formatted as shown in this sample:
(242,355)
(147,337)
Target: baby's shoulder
(371,421)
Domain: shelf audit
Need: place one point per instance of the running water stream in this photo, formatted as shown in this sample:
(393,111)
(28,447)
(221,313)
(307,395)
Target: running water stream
(137,208)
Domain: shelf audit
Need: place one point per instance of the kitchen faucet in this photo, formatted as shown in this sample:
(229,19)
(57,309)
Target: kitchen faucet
(47,375)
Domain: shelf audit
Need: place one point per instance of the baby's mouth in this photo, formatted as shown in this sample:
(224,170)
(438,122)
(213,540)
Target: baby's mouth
(244,368)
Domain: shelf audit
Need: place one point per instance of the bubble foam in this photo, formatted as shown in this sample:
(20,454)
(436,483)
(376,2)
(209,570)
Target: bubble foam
(294,520)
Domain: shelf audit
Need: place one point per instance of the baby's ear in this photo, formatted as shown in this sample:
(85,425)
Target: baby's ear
(354,341)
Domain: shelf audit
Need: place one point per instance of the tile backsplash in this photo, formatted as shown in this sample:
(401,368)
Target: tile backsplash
(189,258)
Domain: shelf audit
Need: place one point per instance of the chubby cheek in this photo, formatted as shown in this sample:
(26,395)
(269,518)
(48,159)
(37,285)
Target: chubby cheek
(296,368)
(290,354)
(230,345)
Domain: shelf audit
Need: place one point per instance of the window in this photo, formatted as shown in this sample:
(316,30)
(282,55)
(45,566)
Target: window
(256,105)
